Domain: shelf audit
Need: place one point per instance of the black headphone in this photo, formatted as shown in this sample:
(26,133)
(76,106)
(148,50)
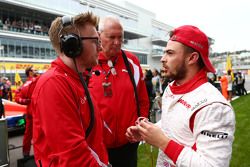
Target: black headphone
(70,43)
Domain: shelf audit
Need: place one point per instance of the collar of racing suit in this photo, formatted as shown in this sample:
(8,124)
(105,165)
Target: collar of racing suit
(199,79)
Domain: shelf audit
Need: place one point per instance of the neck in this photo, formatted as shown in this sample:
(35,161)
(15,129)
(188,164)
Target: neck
(199,79)
(189,75)
(109,56)
(70,63)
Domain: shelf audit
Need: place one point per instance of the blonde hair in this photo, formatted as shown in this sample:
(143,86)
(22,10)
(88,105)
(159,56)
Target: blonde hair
(80,20)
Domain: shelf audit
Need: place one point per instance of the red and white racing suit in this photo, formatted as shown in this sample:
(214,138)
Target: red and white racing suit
(200,123)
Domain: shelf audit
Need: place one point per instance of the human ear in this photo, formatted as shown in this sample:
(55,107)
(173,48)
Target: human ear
(194,57)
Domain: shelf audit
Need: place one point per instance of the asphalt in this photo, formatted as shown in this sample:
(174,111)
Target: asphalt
(15,147)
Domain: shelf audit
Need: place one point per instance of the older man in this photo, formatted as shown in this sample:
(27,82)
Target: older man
(121,92)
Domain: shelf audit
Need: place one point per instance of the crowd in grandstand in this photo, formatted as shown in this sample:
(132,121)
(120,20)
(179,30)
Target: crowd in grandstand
(32,27)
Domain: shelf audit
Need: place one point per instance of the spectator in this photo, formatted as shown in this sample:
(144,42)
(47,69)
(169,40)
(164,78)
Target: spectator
(8,85)
(149,86)
(155,111)
(229,85)
(164,81)
(156,81)
(23,96)
(215,81)
(7,24)
(241,82)
(236,83)
(224,85)
(1,107)
(1,24)
(115,93)
(31,73)
(197,123)
(5,89)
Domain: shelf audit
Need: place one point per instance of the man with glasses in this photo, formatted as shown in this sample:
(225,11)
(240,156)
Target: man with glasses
(68,129)
(197,123)
(116,94)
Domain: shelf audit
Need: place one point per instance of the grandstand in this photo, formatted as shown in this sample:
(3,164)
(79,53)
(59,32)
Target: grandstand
(24,29)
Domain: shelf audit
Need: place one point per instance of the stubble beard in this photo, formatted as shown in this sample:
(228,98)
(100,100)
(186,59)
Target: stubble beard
(179,73)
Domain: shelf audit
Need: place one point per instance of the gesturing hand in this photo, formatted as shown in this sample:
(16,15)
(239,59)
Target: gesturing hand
(152,134)
(133,135)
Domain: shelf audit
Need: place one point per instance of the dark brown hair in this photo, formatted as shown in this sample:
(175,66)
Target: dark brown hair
(27,70)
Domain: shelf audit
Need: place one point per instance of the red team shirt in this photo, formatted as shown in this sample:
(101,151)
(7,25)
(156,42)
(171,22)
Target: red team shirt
(61,117)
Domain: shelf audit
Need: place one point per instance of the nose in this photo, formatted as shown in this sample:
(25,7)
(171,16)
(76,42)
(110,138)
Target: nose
(117,41)
(163,58)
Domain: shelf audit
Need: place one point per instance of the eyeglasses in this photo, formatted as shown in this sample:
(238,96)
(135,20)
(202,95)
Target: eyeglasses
(97,40)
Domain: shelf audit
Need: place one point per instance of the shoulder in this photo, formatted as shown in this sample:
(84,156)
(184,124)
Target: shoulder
(52,78)
(205,95)
(54,73)
(216,116)
(132,57)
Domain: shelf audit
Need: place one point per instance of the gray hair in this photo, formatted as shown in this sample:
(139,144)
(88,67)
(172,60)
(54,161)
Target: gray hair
(105,19)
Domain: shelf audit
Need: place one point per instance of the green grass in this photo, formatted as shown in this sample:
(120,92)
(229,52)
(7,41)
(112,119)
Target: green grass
(147,155)
(241,145)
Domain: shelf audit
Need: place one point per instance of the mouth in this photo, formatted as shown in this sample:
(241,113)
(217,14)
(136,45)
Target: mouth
(164,69)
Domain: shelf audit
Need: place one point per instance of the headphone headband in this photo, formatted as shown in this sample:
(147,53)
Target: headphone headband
(70,43)
(66,21)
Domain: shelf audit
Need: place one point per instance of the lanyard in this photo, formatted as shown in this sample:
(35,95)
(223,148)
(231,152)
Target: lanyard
(107,84)
(111,66)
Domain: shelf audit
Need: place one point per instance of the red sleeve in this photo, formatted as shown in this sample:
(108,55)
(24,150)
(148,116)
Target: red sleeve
(173,150)
(24,93)
(19,99)
(59,119)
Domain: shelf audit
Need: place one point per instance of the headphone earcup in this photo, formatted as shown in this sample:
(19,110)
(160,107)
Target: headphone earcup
(71,45)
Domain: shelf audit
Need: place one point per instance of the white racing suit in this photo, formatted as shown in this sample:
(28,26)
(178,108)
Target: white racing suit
(201,126)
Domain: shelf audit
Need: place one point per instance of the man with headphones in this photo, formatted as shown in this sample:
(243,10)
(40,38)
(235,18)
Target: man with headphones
(67,125)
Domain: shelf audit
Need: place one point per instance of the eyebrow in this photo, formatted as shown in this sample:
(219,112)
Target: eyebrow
(167,50)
